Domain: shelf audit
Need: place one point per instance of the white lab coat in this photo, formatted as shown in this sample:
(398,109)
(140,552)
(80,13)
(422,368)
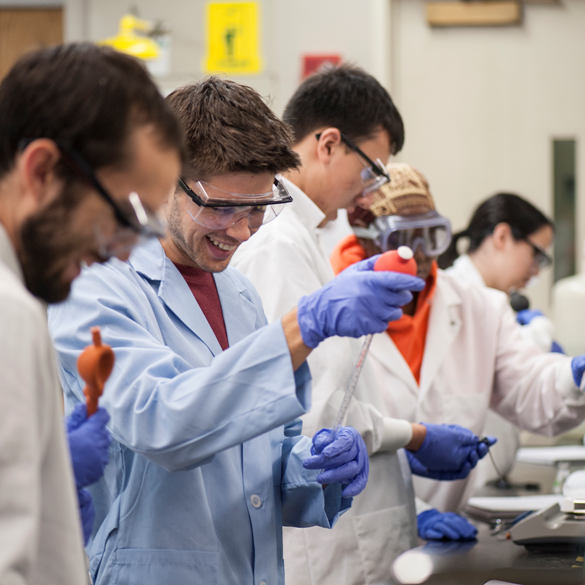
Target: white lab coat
(540,331)
(285,261)
(504,451)
(40,532)
(475,359)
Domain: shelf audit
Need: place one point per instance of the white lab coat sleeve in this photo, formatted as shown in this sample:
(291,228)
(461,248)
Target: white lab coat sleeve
(282,272)
(421,505)
(161,407)
(304,501)
(532,389)
(22,434)
(540,331)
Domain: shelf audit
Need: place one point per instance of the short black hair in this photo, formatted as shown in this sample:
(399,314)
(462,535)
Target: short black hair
(84,96)
(229,128)
(346,98)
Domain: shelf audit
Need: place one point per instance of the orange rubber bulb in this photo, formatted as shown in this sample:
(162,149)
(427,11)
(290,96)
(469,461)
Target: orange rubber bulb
(401,260)
(95,365)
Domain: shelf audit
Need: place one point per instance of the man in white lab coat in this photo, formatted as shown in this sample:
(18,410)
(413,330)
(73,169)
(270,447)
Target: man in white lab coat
(65,112)
(345,125)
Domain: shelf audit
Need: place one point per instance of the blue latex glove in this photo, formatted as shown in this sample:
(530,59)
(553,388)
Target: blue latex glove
(578,367)
(556,348)
(344,460)
(89,443)
(448,452)
(524,317)
(357,302)
(434,525)
(86,512)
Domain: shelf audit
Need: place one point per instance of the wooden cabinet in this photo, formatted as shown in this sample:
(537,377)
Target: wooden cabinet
(25,29)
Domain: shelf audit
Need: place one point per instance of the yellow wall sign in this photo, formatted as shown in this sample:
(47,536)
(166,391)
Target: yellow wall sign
(232,38)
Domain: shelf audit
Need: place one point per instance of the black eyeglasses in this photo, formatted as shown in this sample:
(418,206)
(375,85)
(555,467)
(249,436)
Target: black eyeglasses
(374,174)
(138,219)
(540,256)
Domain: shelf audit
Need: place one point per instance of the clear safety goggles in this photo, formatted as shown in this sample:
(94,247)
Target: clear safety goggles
(429,230)
(216,209)
(136,223)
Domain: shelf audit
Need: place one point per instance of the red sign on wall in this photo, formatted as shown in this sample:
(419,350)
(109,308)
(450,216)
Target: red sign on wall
(312,63)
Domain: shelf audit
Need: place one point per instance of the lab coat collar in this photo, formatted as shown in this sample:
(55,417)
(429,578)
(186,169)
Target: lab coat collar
(151,262)
(464,268)
(444,325)
(387,354)
(8,254)
(303,207)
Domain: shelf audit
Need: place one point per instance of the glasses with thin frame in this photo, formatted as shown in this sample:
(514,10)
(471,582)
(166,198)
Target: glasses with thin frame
(541,258)
(374,174)
(137,222)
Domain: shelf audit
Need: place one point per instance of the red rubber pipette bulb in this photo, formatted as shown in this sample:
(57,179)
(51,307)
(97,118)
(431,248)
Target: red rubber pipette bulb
(401,260)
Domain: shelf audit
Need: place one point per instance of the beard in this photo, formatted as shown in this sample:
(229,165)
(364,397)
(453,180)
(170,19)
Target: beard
(48,246)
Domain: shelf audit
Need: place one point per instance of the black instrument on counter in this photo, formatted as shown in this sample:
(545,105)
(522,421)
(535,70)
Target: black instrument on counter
(519,302)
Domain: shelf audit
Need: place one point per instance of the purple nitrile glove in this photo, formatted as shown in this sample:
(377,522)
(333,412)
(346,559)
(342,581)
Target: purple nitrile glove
(448,452)
(578,367)
(86,513)
(357,302)
(435,525)
(344,460)
(524,317)
(89,443)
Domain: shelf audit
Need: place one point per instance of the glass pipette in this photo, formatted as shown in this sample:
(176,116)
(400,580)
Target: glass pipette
(400,260)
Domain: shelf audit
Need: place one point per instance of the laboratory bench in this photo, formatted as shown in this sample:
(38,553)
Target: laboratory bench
(494,557)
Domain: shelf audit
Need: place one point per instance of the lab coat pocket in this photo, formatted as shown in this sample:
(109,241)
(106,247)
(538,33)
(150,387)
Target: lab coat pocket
(467,410)
(153,567)
(382,536)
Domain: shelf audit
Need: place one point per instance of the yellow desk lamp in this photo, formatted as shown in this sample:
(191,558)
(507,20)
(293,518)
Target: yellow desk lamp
(128,41)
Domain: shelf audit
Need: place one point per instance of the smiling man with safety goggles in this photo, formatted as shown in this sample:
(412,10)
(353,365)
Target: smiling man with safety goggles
(204,396)
(218,209)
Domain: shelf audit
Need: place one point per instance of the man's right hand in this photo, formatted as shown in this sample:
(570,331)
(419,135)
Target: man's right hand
(357,302)
(448,452)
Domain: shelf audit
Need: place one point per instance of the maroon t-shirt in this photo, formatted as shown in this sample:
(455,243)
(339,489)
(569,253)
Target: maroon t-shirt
(202,285)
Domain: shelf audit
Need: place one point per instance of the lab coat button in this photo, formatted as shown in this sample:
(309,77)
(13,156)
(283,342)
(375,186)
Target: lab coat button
(256,502)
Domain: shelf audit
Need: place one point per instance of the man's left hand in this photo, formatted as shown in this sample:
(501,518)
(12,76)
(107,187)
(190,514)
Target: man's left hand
(344,459)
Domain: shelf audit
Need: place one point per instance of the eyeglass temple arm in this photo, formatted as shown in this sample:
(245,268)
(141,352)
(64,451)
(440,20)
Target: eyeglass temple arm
(83,169)
(374,166)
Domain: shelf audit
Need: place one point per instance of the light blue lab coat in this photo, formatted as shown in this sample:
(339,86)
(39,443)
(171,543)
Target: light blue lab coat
(202,472)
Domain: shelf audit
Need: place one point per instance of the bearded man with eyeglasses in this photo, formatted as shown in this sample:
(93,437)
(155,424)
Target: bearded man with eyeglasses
(88,152)
(208,460)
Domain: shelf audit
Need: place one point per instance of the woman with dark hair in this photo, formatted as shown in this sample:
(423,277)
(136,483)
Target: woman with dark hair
(508,238)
